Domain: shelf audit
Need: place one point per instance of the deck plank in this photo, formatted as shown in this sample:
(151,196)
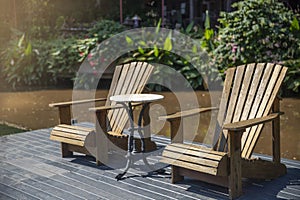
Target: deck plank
(31,167)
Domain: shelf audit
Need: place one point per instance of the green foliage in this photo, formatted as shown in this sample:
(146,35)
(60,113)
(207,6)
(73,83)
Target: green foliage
(193,31)
(19,63)
(105,29)
(66,55)
(160,47)
(259,31)
(39,62)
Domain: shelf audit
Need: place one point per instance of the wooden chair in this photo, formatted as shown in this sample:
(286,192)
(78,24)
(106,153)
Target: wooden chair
(111,119)
(249,100)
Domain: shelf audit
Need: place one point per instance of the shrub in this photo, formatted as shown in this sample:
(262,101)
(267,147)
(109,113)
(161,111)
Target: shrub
(162,47)
(19,63)
(36,62)
(259,31)
(105,29)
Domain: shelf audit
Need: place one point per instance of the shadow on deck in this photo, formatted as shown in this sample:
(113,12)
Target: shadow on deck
(31,167)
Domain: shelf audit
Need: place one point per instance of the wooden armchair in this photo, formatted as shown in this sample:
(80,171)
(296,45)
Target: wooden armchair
(111,119)
(248,101)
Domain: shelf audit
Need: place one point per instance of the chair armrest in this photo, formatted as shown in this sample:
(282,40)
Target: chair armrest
(111,107)
(105,108)
(242,125)
(68,103)
(186,113)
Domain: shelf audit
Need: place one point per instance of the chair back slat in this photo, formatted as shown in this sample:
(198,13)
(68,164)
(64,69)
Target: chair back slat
(139,80)
(128,79)
(222,108)
(252,134)
(253,88)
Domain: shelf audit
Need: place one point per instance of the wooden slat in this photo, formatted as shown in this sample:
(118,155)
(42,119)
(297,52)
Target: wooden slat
(192,153)
(200,159)
(257,101)
(111,114)
(113,84)
(266,105)
(187,113)
(137,84)
(68,135)
(251,96)
(138,80)
(258,105)
(197,148)
(69,103)
(208,170)
(223,105)
(128,80)
(79,128)
(247,81)
(235,93)
(239,74)
(120,79)
(71,131)
(120,115)
(66,140)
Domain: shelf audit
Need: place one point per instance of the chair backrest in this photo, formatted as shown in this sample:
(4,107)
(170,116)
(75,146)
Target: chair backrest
(249,92)
(129,78)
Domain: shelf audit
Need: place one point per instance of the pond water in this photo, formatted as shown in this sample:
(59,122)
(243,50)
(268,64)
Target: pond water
(31,110)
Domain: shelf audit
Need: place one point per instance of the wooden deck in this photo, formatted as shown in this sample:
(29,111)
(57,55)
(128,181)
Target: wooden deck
(31,167)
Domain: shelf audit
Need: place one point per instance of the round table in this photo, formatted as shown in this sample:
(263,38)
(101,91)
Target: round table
(126,100)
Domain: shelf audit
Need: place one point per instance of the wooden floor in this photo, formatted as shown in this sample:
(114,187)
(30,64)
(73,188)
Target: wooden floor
(31,168)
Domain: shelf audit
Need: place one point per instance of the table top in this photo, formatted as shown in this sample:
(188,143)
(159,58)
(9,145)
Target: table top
(136,97)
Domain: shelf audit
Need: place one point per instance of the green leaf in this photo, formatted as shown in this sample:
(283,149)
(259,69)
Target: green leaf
(28,49)
(56,53)
(129,40)
(295,24)
(208,33)
(141,50)
(207,20)
(150,53)
(142,43)
(156,51)
(136,54)
(158,26)
(168,44)
(189,27)
(21,40)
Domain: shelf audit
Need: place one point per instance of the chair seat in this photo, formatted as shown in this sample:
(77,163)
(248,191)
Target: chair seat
(197,158)
(75,135)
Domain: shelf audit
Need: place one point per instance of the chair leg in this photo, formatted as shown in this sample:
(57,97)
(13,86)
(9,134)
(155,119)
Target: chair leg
(175,175)
(276,133)
(235,176)
(65,152)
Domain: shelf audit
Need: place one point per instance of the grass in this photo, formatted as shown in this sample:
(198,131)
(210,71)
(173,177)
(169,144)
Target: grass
(6,130)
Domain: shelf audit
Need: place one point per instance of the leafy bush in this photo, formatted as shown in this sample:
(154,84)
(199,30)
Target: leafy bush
(167,48)
(259,31)
(66,55)
(19,63)
(105,29)
(39,62)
